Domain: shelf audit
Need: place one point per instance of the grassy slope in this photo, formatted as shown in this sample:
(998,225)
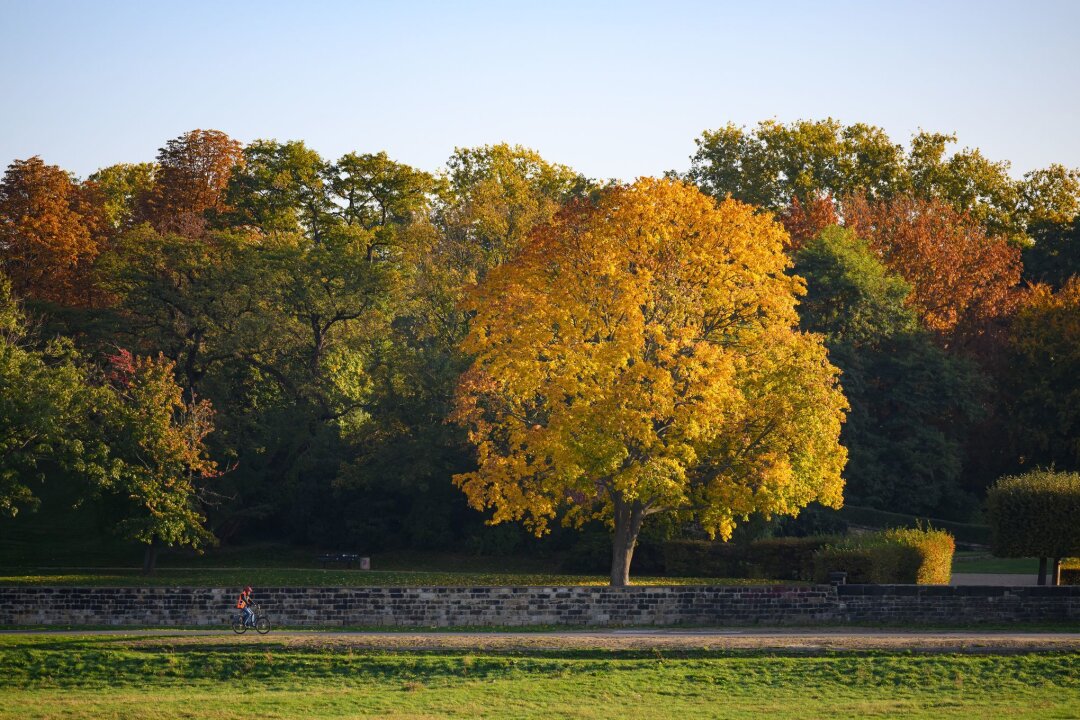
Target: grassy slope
(109,677)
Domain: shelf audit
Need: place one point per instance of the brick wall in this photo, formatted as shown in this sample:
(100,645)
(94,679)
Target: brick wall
(519,606)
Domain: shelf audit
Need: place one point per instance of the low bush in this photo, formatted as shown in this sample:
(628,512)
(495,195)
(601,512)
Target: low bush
(788,558)
(935,550)
(857,562)
(1035,514)
(1070,571)
(905,556)
(703,558)
(773,558)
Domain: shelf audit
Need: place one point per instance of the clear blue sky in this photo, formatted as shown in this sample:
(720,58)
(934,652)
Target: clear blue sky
(614,89)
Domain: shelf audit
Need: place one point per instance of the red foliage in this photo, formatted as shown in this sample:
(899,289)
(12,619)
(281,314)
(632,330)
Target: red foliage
(121,368)
(963,280)
(803,223)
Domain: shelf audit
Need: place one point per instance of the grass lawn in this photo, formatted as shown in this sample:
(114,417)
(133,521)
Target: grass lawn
(284,577)
(275,566)
(984,562)
(99,677)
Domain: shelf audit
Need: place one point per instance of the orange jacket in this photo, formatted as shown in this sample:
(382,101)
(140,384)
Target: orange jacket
(243,601)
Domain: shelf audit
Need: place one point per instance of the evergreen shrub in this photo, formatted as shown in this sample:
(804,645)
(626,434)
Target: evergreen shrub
(1036,514)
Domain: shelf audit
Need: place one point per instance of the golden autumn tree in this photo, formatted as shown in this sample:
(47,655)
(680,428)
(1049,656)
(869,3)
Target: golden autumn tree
(49,233)
(641,355)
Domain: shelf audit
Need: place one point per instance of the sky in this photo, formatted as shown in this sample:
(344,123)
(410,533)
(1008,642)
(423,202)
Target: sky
(613,89)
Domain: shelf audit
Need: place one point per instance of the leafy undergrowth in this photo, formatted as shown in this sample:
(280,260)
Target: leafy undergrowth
(282,577)
(109,677)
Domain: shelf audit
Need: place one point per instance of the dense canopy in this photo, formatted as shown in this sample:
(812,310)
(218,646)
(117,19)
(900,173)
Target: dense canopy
(323,345)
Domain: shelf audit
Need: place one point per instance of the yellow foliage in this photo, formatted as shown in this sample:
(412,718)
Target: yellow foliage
(643,352)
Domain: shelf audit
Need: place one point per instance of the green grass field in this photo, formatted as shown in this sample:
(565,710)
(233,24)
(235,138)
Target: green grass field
(107,677)
(984,562)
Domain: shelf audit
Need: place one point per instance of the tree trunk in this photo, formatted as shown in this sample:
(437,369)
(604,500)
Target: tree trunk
(1055,572)
(150,558)
(628,517)
(1042,571)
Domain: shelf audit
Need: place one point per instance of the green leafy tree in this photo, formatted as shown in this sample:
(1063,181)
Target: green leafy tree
(383,197)
(497,195)
(181,296)
(44,403)
(157,442)
(911,403)
(1043,366)
(1054,257)
(280,188)
(493,199)
(1051,195)
(120,188)
(775,163)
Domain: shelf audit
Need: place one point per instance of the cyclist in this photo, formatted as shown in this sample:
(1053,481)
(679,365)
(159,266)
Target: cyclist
(244,603)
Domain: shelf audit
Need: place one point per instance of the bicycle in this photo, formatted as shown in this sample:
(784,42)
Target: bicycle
(262,622)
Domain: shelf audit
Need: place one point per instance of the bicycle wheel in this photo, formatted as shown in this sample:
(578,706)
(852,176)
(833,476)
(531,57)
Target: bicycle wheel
(238,626)
(262,624)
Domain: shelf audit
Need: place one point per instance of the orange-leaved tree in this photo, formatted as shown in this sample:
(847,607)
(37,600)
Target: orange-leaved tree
(962,278)
(805,221)
(641,355)
(192,173)
(49,233)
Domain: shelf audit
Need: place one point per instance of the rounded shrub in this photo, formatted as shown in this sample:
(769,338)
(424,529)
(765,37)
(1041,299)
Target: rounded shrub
(1036,514)
(903,556)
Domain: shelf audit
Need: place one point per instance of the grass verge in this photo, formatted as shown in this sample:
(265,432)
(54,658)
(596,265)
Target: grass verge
(286,577)
(96,677)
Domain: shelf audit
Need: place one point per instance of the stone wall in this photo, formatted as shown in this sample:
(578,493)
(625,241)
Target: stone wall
(963,605)
(521,606)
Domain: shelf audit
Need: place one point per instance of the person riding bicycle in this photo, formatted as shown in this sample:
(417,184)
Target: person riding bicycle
(244,603)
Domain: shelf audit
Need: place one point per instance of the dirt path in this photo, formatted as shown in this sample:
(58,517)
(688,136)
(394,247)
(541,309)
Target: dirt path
(673,640)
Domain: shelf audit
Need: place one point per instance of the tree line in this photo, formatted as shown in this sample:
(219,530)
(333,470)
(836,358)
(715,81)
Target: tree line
(236,341)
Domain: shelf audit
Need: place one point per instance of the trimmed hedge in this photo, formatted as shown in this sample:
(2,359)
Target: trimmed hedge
(789,558)
(703,558)
(1035,515)
(773,558)
(904,556)
(1070,571)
